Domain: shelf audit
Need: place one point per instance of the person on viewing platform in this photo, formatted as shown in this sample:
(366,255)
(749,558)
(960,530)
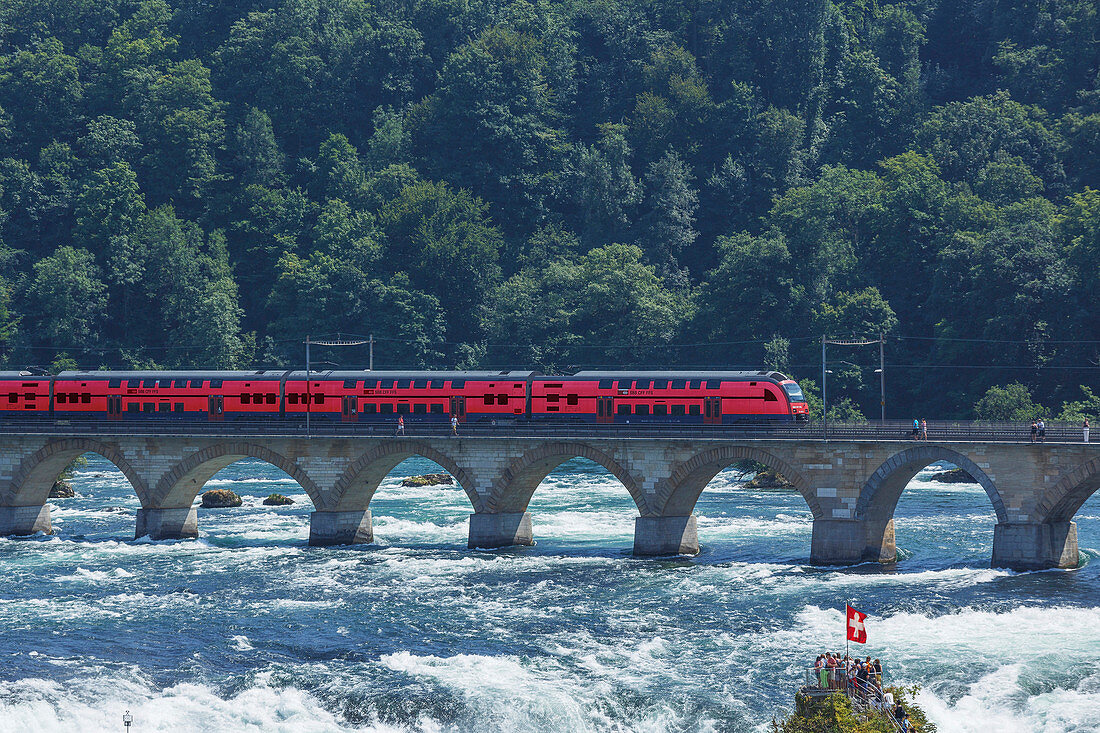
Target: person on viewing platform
(878,672)
(1034,430)
(822,672)
(1085,430)
(830,667)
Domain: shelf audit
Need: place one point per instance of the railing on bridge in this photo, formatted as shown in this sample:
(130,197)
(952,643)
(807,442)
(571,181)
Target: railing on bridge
(890,430)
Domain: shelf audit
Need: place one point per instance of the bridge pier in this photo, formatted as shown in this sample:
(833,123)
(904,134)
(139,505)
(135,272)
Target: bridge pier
(657,536)
(175,523)
(354,527)
(503,529)
(25,520)
(840,541)
(1035,546)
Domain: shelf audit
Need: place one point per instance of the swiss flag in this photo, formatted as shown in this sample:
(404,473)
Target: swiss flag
(857,632)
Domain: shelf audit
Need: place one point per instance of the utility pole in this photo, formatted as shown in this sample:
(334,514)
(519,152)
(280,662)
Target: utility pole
(331,342)
(371,367)
(824,402)
(882,373)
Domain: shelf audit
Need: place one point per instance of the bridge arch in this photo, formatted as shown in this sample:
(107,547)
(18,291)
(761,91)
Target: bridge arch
(880,494)
(679,494)
(180,486)
(356,487)
(36,474)
(1061,502)
(513,489)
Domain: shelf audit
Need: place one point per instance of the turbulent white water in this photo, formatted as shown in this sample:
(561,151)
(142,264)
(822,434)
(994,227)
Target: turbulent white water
(249,629)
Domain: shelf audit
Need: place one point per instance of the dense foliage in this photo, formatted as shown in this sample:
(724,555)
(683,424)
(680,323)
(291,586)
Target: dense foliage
(509,183)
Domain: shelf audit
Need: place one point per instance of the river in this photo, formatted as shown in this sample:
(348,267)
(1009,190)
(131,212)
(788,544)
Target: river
(249,629)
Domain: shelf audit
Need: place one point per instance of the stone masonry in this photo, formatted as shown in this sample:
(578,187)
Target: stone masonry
(851,487)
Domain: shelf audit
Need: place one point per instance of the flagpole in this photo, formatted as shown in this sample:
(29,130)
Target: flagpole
(847,661)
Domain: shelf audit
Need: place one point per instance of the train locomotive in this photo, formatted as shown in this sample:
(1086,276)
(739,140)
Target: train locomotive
(379,397)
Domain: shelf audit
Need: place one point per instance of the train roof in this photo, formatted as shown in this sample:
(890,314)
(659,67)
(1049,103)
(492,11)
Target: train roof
(762,375)
(19,375)
(295,374)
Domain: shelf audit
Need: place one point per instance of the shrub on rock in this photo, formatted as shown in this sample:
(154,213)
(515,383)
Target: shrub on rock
(220,498)
(278,500)
(428,479)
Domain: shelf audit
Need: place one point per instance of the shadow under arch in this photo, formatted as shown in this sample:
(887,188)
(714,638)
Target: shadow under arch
(513,489)
(354,489)
(31,484)
(180,486)
(880,494)
(677,496)
(1065,498)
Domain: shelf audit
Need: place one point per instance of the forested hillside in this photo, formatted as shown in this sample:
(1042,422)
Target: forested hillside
(485,183)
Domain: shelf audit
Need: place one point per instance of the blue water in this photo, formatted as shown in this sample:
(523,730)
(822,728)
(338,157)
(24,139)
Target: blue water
(249,629)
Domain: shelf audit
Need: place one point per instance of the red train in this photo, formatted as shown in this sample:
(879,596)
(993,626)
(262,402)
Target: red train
(702,398)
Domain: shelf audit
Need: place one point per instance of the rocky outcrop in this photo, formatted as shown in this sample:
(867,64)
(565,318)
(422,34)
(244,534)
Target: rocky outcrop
(219,499)
(428,479)
(953,476)
(62,490)
(769,479)
(278,500)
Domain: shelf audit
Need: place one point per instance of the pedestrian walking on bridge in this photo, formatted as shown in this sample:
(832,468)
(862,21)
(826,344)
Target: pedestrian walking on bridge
(454,425)
(1085,430)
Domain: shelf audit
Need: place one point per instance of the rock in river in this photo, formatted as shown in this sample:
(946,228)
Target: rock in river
(428,479)
(278,500)
(219,498)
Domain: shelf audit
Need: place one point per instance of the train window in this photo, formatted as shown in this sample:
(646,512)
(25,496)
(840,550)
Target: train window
(303,398)
(458,383)
(643,384)
(178,407)
(214,384)
(369,408)
(641,409)
(350,383)
(607,384)
(196,384)
(28,396)
(420,409)
(677,409)
(770,397)
(403,408)
(489,399)
(73,398)
(133,407)
(271,399)
(257,399)
(660,384)
(437,409)
(387,408)
(571,399)
(147,407)
(370,383)
(164,407)
(693,409)
(403,383)
(114,383)
(420,384)
(622,409)
(245,398)
(695,384)
(679,383)
(60,398)
(149,383)
(292,399)
(713,383)
(502,399)
(437,384)
(552,397)
(13,397)
(660,409)
(319,398)
(87,398)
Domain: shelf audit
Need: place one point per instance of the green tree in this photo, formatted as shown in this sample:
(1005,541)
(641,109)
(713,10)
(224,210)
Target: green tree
(1009,402)
(65,299)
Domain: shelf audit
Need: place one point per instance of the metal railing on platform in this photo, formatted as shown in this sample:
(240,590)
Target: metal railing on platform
(864,694)
(874,431)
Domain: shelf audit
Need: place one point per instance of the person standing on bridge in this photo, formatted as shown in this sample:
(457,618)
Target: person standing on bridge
(1042,431)
(1034,430)
(923,429)
(916,429)
(454,425)
(400,425)
(1085,430)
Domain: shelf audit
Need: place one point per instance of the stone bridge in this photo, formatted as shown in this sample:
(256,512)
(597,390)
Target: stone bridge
(850,486)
